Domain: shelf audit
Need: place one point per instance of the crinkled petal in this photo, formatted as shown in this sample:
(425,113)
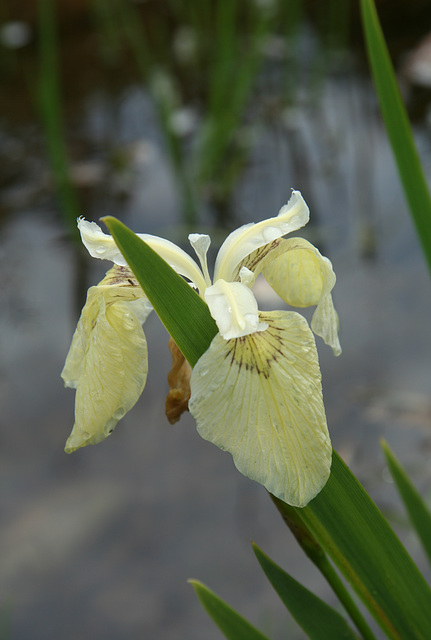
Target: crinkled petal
(300,275)
(243,241)
(260,398)
(107,361)
(325,323)
(234,308)
(102,246)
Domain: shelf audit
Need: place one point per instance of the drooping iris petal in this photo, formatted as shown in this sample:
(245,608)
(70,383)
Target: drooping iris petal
(300,275)
(234,308)
(107,361)
(260,398)
(101,245)
(243,241)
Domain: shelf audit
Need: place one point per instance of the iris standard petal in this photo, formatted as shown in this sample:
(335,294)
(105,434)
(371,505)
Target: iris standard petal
(101,245)
(298,272)
(243,241)
(260,398)
(300,275)
(107,361)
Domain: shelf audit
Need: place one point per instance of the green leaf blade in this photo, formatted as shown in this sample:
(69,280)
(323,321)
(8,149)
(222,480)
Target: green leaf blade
(231,623)
(398,126)
(360,541)
(315,617)
(319,558)
(419,513)
(184,314)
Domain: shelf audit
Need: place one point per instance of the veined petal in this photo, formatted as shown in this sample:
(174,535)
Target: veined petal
(298,272)
(300,275)
(107,361)
(243,241)
(234,308)
(101,245)
(260,398)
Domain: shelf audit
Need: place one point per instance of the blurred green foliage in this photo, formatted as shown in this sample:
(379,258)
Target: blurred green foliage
(214,70)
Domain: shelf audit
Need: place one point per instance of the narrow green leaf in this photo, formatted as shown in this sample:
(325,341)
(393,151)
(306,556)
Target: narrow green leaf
(416,507)
(184,314)
(317,619)
(361,543)
(148,58)
(232,625)
(398,126)
(319,558)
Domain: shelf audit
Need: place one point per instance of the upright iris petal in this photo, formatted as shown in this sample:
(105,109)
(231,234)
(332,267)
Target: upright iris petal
(248,238)
(302,277)
(100,245)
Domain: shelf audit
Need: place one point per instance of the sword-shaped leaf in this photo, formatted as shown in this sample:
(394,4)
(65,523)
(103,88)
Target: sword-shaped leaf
(184,314)
(231,623)
(317,619)
(418,511)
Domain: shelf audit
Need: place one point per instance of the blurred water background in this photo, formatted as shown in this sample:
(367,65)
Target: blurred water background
(179,117)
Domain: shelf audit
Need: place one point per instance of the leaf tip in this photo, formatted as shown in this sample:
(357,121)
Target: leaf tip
(387,451)
(108,220)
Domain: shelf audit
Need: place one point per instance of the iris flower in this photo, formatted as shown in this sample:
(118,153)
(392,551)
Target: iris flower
(256,392)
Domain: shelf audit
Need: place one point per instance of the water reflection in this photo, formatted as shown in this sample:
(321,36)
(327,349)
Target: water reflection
(101,543)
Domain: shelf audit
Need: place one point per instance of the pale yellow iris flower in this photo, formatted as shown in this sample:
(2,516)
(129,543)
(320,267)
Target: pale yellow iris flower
(256,392)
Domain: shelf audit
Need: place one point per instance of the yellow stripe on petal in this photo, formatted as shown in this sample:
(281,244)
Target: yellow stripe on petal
(260,398)
(107,362)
